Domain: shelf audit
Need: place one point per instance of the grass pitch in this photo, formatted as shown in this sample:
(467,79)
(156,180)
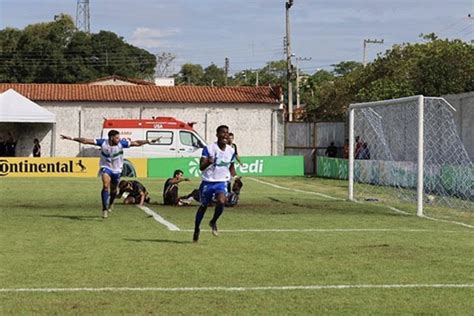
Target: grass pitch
(279,252)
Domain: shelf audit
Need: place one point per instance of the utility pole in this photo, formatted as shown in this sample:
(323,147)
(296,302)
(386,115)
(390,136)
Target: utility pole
(298,79)
(288,5)
(369,41)
(226,70)
(83,16)
(256,78)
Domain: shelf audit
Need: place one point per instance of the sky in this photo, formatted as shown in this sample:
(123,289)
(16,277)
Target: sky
(250,33)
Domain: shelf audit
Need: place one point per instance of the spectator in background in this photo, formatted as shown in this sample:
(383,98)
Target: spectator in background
(10,145)
(331,151)
(3,147)
(36,148)
(364,152)
(358,147)
(345,153)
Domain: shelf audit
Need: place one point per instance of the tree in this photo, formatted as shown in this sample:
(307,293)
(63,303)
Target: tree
(163,63)
(345,67)
(213,76)
(190,74)
(57,52)
(434,68)
(273,73)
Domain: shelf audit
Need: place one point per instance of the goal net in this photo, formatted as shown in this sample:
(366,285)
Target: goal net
(408,150)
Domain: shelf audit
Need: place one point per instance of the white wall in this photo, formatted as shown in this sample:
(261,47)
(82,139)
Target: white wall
(258,128)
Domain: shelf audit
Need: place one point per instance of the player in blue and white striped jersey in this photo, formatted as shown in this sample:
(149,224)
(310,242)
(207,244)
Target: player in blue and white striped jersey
(111,163)
(217,166)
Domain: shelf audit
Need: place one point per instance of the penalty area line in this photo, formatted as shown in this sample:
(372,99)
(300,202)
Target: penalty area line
(157,217)
(238,289)
(297,190)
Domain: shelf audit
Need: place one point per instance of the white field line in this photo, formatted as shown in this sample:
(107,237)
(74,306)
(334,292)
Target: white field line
(389,207)
(297,190)
(334,230)
(446,221)
(157,217)
(398,211)
(237,289)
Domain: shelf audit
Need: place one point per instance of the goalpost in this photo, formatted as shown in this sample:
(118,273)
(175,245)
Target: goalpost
(408,150)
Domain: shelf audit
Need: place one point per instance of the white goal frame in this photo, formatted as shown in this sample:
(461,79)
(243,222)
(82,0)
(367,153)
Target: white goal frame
(420,142)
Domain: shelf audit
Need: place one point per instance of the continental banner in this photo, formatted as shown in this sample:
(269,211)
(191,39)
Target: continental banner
(49,167)
(65,167)
(250,166)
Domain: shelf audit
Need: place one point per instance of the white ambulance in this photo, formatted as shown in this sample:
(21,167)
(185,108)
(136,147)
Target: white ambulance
(177,138)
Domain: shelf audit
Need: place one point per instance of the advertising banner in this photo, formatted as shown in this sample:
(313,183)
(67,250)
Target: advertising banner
(135,168)
(334,168)
(66,167)
(49,167)
(250,166)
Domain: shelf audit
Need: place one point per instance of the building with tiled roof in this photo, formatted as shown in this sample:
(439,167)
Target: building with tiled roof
(115,80)
(253,114)
(144,93)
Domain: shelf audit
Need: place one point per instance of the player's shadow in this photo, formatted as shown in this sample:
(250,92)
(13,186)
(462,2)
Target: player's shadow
(75,217)
(159,240)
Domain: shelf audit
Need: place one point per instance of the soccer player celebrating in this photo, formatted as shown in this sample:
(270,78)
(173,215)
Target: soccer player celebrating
(217,166)
(111,163)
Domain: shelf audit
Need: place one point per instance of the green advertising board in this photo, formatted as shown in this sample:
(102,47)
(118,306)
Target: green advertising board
(334,168)
(249,166)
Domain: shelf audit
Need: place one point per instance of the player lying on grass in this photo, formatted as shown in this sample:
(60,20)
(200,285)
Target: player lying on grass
(232,196)
(111,162)
(133,192)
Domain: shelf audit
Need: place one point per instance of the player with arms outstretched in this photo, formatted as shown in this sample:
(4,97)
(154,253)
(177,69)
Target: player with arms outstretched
(217,166)
(111,163)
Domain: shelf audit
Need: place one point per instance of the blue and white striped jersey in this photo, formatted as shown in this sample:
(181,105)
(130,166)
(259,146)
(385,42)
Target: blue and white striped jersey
(111,157)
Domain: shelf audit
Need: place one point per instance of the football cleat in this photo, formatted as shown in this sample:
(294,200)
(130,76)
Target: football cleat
(196,235)
(105,214)
(213,226)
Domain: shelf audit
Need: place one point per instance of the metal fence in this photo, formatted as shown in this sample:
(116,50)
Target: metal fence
(311,139)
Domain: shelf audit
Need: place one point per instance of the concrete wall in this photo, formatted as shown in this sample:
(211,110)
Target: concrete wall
(464,118)
(258,128)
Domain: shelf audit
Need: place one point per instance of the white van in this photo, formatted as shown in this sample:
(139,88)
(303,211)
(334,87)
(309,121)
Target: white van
(177,138)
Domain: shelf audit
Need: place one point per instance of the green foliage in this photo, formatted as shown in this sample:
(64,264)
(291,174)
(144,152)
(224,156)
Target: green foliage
(190,74)
(58,52)
(213,76)
(435,68)
(345,67)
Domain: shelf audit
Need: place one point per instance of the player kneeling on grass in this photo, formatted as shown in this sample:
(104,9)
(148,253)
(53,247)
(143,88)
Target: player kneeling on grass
(133,192)
(111,163)
(217,166)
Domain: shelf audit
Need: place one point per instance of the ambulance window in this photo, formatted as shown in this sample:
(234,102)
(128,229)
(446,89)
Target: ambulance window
(189,139)
(166,138)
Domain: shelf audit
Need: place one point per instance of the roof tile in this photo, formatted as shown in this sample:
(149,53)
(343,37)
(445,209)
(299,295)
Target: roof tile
(144,93)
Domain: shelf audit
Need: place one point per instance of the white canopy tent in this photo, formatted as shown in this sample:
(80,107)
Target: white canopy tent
(15,108)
